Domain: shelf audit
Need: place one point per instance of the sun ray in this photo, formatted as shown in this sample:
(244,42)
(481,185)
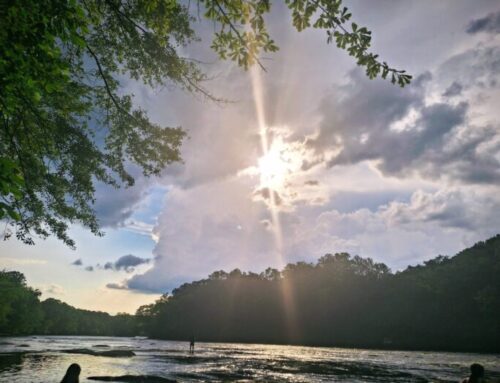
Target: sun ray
(271,162)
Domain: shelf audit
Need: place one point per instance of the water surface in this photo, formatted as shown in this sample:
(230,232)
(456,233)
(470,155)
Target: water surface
(40,359)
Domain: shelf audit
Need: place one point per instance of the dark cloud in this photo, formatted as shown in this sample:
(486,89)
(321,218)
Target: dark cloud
(400,151)
(488,24)
(78,262)
(453,90)
(108,266)
(478,67)
(89,268)
(116,286)
(114,206)
(363,107)
(373,120)
(128,263)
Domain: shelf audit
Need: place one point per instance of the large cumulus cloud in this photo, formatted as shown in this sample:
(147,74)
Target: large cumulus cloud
(404,174)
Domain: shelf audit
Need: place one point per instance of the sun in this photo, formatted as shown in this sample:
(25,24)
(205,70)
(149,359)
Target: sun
(277,177)
(273,169)
(277,165)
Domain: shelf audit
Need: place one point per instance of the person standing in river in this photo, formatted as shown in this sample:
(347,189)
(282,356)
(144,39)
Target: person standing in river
(191,345)
(72,374)
(476,374)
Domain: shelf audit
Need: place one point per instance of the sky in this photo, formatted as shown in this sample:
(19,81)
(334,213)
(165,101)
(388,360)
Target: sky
(307,158)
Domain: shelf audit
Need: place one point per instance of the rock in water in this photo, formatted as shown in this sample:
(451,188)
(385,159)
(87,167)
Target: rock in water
(132,379)
(116,353)
(111,353)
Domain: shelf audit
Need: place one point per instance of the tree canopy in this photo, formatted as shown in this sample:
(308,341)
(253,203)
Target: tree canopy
(22,313)
(66,122)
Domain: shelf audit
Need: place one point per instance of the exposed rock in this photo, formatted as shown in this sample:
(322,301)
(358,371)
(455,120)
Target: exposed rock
(132,379)
(111,353)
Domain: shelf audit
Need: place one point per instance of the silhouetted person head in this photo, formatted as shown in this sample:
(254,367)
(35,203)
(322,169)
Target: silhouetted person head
(476,373)
(72,374)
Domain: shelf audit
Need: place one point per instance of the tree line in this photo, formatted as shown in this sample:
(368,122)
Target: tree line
(341,300)
(443,304)
(22,313)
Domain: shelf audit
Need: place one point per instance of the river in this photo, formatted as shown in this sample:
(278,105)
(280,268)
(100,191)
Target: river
(42,359)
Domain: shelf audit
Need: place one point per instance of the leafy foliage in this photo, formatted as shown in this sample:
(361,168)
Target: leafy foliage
(242,33)
(20,311)
(65,123)
(11,187)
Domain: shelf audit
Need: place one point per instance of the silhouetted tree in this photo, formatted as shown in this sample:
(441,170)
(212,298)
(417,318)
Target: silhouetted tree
(446,303)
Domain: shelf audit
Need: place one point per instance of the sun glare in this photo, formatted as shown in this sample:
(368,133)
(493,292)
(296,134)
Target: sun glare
(277,165)
(273,168)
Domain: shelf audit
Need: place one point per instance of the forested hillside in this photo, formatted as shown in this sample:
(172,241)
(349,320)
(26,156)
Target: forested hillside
(22,313)
(446,303)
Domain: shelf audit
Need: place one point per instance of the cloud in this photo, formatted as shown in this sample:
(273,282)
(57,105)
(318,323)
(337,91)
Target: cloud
(114,206)
(21,262)
(78,262)
(139,227)
(194,241)
(196,236)
(116,286)
(404,174)
(129,262)
(478,66)
(54,289)
(222,226)
(441,163)
(405,134)
(400,232)
(89,268)
(455,89)
(453,208)
(126,262)
(488,24)
(108,266)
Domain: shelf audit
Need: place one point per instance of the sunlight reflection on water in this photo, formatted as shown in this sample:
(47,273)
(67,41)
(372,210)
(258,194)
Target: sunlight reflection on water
(39,359)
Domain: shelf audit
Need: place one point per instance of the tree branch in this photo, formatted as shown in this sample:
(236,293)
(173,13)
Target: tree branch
(235,30)
(335,20)
(106,84)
